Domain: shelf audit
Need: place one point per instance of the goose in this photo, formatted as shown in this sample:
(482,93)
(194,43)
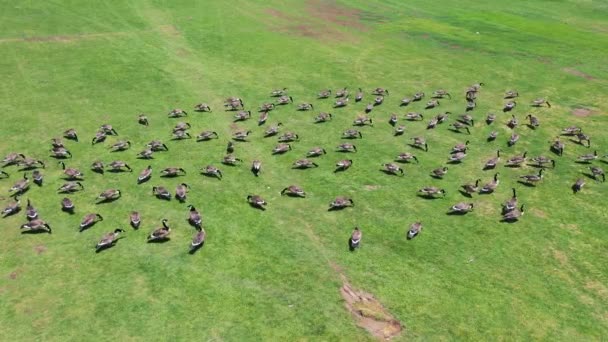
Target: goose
(542,160)
(471,188)
(289,137)
(587,158)
(20,186)
(202,107)
(278,92)
(293,191)
(419,142)
(181,126)
(256,201)
(415,229)
(108,129)
(172,172)
(341,102)
(272,130)
(144,175)
(491,163)
(142,119)
(510,94)
(234,103)
(466,119)
(180,135)
(431,192)
(355,238)
(460,147)
(405,101)
(108,240)
(89,220)
(492,136)
(157,145)
(37,225)
(510,204)
(304,164)
(71,173)
(98,138)
(418,96)
(323,117)
(491,186)
(439,172)
(378,100)
(597,171)
(539,102)
(405,157)
(514,138)
(281,148)
(256,167)
(346,147)
(392,168)
(70,187)
(134,219)
(509,105)
(181,192)
(230,147)
(121,145)
(57,143)
(363,120)
(578,185)
(341,202)
(60,153)
(241,135)
(514,214)
(198,239)
(516,160)
(471,104)
(315,152)
(533,179)
(583,137)
(30,163)
(266,107)
(414,116)
(161,193)
(534,122)
(323,94)
(212,171)
(67,205)
(359,95)
(177,113)
(393,120)
(399,130)
(194,217)
(432,123)
(380,92)
(70,134)
(12,159)
(231,160)
(513,122)
(244,115)
(305,106)
(262,119)
(440,93)
(558,146)
(457,157)
(457,126)
(351,134)
(109,195)
(461,208)
(343,165)
(118,165)
(12,208)
(160,234)
(283,100)
(490,118)
(571,130)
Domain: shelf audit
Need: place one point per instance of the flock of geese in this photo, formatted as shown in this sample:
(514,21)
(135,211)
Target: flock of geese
(512,210)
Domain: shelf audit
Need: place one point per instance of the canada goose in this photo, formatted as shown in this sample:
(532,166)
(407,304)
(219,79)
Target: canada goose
(471,188)
(432,123)
(470,105)
(283,100)
(30,163)
(161,193)
(20,186)
(415,229)
(457,126)
(305,106)
(70,134)
(198,240)
(583,137)
(509,94)
(181,192)
(241,135)
(134,219)
(234,103)
(587,158)
(378,100)
(206,135)
(212,171)
(418,96)
(289,137)
(516,160)
(323,94)
(12,207)
(109,195)
(440,93)
(67,205)
(534,122)
(341,202)
(414,116)
(343,165)
(231,160)
(393,120)
(142,119)
(323,117)
(315,152)
(597,171)
(466,119)
(230,147)
(70,187)
(405,101)
(256,202)
(380,92)
(342,92)
(157,145)
(542,160)
(108,129)
(97,167)
(514,214)
(281,148)
(346,147)
(431,192)
(457,157)
(492,136)
(509,106)
(405,157)
(108,240)
(181,126)
(304,164)
(513,122)
(578,185)
(491,163)
(272,130)
(392,168)
(572,130)
(89,219)
(243,115)
(490,118)
(341,102)
(263,118)
(172,172)
(460,147)
(470,96)
(351,134)
(194,217)
(491,186)
(419,142)
(4,174)
(363,120)
(532,179)
(60,153)
(202,107)
(180,135)
(511,203)
(461,208)
(177,113)
(256,167)
(514,138)
(37,225)
(539,102)
(442,117)
(558,146)
(98,138)
(399,130)
(120,146)
(57,143)
(266,107)
(118,165)
(71,173)
(355,239)
(439,172)
(160,234)
(359,95)
(278,92)
(293,191)
(12,159)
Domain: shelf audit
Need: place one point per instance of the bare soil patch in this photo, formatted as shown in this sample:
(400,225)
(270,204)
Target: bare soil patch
(332,12)
(538,213)
(371,187)
(40,249)
(599,288)
(561,257)
(582,112)
(13,275)
(578,73)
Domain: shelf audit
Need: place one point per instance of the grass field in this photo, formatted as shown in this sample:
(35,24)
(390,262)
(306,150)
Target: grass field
(276,274)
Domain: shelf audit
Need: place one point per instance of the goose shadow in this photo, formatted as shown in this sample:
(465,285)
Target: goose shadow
(14,212)
(579,143)
(116,171)
(194,249)
(34,232)
(529,185)
(211,176)
(163,198)
(429,197)
(68,210)
(351,246)
(391,173)
(107,200)
(255,206)
(456,213)
(158,241)
(465,194)
(590,176)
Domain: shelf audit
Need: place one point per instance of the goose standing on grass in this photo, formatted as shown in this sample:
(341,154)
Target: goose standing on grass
(514,215)
(108,240)
(511,203)
(160,234)
(471,188)
(144,175)
(135,219)
(12,208)
(355,239)
(596,172)
(491,163)
(293,191)
(256,167)
(89,220)
(67,205)
(257,201)
(461,208)
(578,185)
(194,217)
(198,240)
(415,229)
(30,211)
(491,186)
(37,225)
(532,179)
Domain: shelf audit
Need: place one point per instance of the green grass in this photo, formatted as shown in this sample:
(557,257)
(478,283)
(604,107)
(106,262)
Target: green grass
(268,275)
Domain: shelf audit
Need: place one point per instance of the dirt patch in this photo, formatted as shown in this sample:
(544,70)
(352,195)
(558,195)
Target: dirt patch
(597,287)
(578,73)
(330,11)
(169,29)
(538,213)
(561,257)
(371,187)
(582,112)
(40,249)
(369,313)
(13,275)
